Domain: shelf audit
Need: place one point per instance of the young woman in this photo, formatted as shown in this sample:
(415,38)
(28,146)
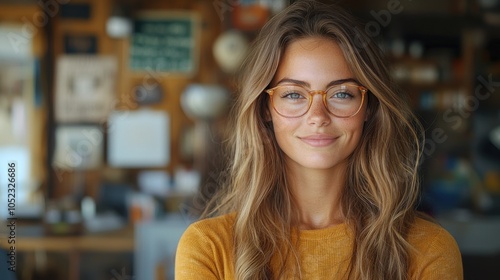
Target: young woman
(323,176)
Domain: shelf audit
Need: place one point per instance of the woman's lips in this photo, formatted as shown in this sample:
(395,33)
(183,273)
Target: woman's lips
(318,140)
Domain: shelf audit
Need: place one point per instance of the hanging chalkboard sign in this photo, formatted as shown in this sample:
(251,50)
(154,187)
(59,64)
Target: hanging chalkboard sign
(164,42)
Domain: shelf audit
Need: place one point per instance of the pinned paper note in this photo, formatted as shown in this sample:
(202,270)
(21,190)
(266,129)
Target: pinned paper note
(139,139)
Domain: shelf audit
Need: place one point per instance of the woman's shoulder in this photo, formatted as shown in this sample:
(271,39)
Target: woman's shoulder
(425,233)
(220,226)
(205,249)
(436,254)
(226,220)
(210,236)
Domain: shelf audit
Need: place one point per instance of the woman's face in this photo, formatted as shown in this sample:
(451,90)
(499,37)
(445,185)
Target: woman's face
(316,140)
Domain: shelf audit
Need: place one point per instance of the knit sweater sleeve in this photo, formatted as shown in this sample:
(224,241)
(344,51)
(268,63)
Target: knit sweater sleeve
(194,259)
(438,257)
(205,250)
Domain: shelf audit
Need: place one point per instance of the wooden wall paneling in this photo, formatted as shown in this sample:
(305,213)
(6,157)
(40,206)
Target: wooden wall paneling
(172,87)
(211,27)
(172,84)
(95,25)
(66,181)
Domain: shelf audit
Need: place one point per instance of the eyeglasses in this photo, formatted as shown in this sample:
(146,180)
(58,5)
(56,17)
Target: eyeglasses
(342,101)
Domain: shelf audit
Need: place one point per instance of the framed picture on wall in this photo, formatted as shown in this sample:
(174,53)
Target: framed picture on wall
(85,88)
(78,147)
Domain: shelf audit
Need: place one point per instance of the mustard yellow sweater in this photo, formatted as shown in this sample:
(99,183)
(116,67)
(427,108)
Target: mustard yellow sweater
(205,252)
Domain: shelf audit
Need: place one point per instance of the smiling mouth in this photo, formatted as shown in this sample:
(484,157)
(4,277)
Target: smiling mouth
(318,141)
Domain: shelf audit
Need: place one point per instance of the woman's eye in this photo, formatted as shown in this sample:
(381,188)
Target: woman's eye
(342,95)
(293,95)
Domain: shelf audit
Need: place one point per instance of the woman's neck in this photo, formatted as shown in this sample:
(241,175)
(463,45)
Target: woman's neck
(317,194)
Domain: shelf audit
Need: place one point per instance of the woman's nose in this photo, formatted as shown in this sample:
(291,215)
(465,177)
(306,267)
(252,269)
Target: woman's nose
(318,114)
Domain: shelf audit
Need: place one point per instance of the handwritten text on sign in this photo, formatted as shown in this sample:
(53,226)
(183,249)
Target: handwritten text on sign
(163,44)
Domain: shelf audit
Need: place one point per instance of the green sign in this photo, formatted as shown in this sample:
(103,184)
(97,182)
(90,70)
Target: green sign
(164,44)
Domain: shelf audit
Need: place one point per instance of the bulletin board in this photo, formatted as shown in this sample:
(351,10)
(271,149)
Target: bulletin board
(165,42)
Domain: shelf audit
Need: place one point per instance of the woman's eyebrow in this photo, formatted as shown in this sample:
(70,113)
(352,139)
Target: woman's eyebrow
(306,84)
(342,81)
(293,81)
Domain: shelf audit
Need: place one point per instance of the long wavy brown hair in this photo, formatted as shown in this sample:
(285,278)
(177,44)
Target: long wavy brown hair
(382,183)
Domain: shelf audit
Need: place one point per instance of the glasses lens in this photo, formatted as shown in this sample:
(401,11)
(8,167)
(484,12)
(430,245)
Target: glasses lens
(344,100)
(341,101)
(291,101)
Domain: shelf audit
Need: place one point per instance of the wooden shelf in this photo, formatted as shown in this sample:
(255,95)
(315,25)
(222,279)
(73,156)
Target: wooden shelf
(116,241)
(113,241)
